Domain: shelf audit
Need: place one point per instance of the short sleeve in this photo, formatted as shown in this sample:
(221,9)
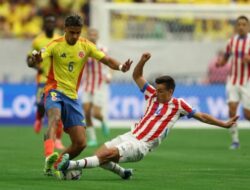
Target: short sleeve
(186,109)
(47,50)
(148,90)
(94,52)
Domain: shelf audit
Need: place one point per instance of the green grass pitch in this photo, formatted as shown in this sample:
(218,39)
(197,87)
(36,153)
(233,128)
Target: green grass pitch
(187,159)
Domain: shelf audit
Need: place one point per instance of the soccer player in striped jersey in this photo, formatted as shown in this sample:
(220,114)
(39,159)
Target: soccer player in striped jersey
(162,112)
(238,84)
(48,34)
(96,76)
(68,55)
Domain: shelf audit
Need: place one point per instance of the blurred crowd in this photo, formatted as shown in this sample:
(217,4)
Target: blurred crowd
(23,19)
(184,1)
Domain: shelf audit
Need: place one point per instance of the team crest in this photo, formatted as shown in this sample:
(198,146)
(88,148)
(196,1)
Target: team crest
(81,54)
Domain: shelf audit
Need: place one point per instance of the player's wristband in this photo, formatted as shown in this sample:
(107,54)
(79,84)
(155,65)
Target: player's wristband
(120,67)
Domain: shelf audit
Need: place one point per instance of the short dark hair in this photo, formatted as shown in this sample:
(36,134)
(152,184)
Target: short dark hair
(167,80)
(73,20)
(242,17)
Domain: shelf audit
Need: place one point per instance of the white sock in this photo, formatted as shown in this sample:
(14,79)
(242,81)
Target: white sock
(91,133)
(89,162)
(114,167)
(234,133)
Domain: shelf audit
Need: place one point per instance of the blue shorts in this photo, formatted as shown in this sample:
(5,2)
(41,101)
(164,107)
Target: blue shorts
(71,110)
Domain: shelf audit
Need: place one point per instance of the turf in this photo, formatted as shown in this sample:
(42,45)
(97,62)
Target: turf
(187,159)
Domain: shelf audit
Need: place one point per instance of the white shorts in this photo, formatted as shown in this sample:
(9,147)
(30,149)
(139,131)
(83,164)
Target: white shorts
(130,148)
(238,93)
(98,98)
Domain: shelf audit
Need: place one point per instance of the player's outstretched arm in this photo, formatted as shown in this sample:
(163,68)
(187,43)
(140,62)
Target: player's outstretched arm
(116,65)
(209,119)
(138,70)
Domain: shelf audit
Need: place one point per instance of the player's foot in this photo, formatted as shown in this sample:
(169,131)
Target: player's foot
(127,174)
(37,126)
(59,145)
(92,143)
(105,129)
(63,164)
(49,161)
(235,145)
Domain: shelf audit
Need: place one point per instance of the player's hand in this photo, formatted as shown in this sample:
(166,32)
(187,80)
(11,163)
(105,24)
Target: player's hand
(36,56)
(219,62)
(246,59)
(126,66)
(231,122)
(145,57)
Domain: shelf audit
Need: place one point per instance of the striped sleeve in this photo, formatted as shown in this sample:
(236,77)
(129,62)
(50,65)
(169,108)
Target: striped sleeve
(186,109)
(148,90)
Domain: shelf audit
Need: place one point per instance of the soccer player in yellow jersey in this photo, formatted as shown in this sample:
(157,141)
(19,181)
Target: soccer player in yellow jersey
(42,71)
(68,55)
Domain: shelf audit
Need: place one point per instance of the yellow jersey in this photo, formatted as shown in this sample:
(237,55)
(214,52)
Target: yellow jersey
(67,64)
(38,43)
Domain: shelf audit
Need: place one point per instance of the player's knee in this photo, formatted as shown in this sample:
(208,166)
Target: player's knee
(97,115)
(80,145)
(247,115)
(107,155)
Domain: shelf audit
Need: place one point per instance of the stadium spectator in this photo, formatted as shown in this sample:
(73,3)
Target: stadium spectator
(95,80)
(68,55)
(40,42)
(4,28)
(161,113)
(238,88)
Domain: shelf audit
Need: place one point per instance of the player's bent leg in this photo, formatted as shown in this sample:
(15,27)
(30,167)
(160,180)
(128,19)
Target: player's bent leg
(39,118)
(78,139)
(117,169)
(247,113)
(58,142)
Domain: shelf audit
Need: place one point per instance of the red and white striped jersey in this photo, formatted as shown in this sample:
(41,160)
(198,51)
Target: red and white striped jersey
(159,117)
(237,47)
(94,74)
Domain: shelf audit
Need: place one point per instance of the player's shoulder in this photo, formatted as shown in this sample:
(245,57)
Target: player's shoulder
(85,41)
(56,41)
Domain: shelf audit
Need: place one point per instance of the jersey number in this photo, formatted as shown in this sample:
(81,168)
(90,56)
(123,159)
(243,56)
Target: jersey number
(71,66)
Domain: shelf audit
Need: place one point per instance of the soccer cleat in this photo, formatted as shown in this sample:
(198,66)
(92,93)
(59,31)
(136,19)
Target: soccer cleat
(49,161)
(37,126)
(59,145)
(63,164)
(234,146)
(92,143)
(127,174)
(105,129)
